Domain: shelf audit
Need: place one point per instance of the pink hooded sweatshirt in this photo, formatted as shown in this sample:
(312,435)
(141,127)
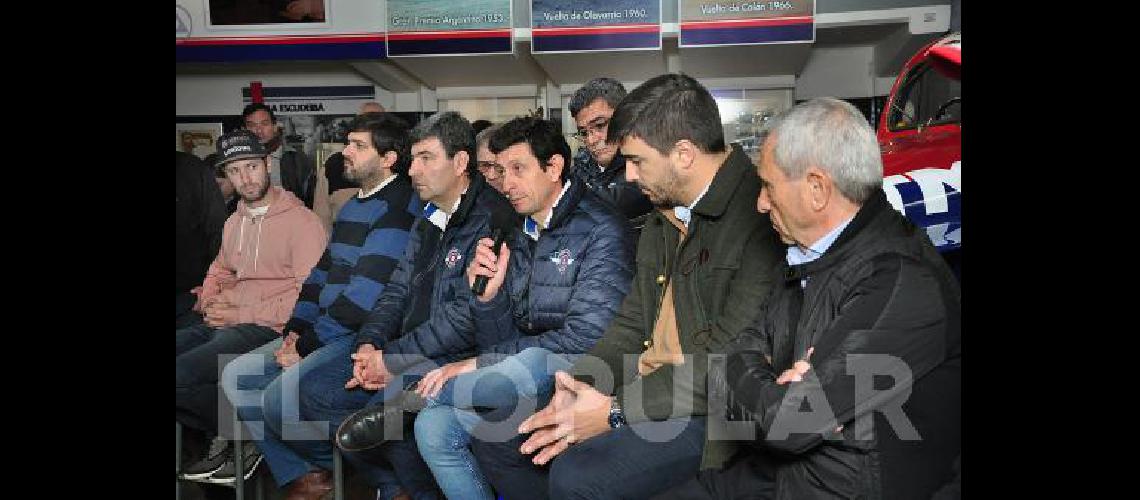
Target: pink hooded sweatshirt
(264,260)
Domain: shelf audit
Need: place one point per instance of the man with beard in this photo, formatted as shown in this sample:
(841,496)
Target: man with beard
(333,187)
(288,168)
(421,321)
(269,246)
(369,238)
(704,262)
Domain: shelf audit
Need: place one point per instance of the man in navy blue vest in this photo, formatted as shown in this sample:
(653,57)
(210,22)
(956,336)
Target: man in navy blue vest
(550,293)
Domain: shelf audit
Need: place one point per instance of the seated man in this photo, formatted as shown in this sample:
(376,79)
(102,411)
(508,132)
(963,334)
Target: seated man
(485,159)
(546,303)
(368,238)
(423,313)
(269,246)
(877,302)
(599,164)
(198,220)
(703,269)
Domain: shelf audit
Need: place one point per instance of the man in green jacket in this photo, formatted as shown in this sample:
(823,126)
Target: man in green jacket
(704,259)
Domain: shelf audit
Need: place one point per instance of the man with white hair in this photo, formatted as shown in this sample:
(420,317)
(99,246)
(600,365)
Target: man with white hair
(865,328)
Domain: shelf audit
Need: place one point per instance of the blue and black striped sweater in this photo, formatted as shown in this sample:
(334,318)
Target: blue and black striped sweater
(368,240)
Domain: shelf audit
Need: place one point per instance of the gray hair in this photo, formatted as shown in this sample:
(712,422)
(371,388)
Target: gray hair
(834,136)
(484,136)
(612,91)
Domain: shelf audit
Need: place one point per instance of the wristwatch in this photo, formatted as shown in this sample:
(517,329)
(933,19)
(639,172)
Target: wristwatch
(617,417)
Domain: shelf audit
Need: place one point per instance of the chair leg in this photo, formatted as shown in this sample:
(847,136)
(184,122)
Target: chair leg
(338,475)
(177,459)
(239,461)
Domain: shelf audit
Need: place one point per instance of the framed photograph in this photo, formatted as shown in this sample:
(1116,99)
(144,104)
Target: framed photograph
(247,14)
(198,139)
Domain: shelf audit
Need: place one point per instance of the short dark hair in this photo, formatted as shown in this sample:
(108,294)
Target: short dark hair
(666,109)
(255,107)
(453,131)
(480,125)
(599,88)
(388,133)
(541,135)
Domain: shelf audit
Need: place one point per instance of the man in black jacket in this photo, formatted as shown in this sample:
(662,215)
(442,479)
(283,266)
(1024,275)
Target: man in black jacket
(199,215)
(422,317)
(703,263)
(599,165)
(864,330)
(288,168)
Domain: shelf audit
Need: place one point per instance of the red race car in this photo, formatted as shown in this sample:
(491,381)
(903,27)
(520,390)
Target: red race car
(920,134)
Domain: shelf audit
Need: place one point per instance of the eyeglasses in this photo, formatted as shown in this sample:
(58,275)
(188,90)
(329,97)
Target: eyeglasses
(488,167)
(597,126)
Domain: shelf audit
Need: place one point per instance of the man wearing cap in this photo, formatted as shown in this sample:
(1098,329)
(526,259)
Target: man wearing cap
(269,246)
(369,237)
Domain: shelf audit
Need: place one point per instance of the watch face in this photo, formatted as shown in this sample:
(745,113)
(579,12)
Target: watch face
(616,419)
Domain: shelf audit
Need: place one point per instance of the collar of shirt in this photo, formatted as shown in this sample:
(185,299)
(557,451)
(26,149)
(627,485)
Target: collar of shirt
(797,255)
(259,211)
(685,214)
(362,194)
(440,217)
(531,226)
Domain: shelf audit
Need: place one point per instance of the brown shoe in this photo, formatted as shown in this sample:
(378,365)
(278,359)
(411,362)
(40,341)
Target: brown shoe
(311,486)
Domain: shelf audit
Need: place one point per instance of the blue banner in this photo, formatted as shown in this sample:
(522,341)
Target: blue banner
(590,25)
(733,22)
(436,27)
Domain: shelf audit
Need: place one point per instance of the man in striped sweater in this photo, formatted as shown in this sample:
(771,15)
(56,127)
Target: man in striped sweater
(368,238)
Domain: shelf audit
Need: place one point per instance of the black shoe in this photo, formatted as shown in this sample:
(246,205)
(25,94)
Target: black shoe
(365,429)
(217,455)
(251,457)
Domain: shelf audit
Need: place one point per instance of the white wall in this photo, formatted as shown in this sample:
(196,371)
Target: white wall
(220,94)
(842,72)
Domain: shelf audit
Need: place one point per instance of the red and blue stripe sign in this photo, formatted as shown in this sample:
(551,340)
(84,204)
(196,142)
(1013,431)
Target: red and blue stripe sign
(747,31)
(418,43)
(585,38)
(280,47)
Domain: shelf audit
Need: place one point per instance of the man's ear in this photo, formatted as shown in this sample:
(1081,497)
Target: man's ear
(554,167)
(459,162)
(819,186)
(684,154)
(390,159)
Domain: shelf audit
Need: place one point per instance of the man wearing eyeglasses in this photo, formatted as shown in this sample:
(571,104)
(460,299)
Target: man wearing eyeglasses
(599,165)
(485,159)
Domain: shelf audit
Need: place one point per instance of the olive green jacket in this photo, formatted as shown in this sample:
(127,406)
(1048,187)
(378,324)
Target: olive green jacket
(721,276)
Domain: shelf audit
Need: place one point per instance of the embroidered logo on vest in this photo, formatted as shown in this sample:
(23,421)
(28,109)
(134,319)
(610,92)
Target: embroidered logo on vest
(453,258)
(562,259)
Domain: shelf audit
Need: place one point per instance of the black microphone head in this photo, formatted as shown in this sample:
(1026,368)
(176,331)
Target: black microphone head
(507,221)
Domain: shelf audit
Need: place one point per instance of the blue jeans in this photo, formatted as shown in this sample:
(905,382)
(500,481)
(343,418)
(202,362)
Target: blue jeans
(266,399)
(635,461)
(444,429)
(389,467)
(199,353)
(184,315)
(617,464)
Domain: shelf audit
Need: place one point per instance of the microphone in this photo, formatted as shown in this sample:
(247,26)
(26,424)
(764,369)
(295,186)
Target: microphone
(501,227)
